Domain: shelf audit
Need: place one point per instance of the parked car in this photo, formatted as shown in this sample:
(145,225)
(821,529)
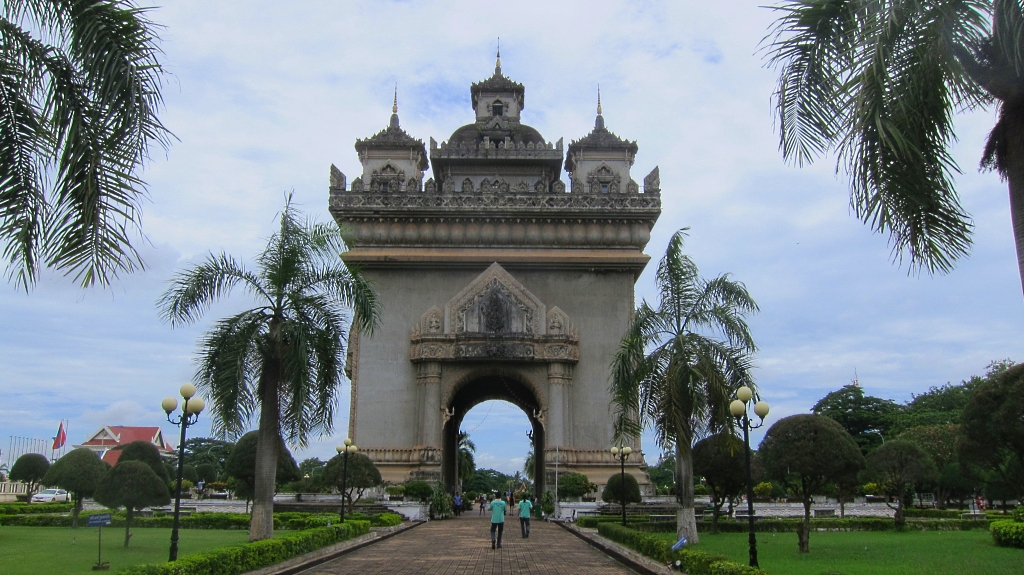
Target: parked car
(51,496)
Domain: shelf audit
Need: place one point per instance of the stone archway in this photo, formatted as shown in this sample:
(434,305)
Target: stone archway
(476,390)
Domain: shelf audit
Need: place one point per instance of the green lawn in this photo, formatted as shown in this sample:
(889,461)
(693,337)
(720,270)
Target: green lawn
(872,553)
(66,551)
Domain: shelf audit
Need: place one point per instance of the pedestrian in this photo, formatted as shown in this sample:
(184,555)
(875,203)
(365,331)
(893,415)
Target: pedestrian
(497,508)
(457,503)
(483,503)
(525,508)
(511,502)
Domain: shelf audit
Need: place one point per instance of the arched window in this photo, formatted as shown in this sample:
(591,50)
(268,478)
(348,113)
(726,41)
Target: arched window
(497,108)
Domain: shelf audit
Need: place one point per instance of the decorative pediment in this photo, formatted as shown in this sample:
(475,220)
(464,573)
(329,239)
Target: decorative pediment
(495,303)
(494,317)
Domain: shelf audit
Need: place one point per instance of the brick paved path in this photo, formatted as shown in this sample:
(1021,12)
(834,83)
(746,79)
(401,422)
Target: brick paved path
(462,546)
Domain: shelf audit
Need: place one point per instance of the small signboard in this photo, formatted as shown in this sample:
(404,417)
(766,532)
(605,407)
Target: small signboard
(99,520)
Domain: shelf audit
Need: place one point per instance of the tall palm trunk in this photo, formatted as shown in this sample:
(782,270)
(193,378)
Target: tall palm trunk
(1013,115)
(686,522)
(262,524)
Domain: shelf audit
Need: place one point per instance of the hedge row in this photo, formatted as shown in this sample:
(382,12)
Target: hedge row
(256,555)
(296,521)
(691,562)
(850,524)
(592,521)
(1008,533)
(25,508)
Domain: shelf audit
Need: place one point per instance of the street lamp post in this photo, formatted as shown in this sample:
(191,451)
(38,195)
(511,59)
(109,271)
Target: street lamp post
(622,454)
(345,449)
(738,408)
(190,410)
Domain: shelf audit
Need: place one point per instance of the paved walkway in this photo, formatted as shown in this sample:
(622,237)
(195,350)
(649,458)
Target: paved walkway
(462,546)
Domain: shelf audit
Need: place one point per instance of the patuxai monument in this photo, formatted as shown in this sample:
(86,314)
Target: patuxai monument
(497,280)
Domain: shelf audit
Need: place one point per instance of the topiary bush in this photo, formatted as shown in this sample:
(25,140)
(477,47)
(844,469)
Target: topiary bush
(386,520)
(1007,533)
(418,491)
(616,490)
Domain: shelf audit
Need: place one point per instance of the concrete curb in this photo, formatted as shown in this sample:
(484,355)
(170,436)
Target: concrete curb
(635,561)
(325,554)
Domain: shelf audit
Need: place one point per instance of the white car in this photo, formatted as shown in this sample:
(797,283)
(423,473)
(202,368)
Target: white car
(51,496)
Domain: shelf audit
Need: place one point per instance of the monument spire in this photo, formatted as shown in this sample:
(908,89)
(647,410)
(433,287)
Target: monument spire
(497,62)
(599,122)
(394,109)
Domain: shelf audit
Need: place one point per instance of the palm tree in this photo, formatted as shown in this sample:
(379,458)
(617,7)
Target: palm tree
(79,93)
(678,365)
(878,82)
(467,465)
(283,357)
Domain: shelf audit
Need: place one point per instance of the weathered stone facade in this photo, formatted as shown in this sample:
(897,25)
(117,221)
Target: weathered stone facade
(497,281)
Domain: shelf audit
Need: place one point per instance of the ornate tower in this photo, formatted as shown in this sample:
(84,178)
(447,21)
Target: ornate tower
(496,283)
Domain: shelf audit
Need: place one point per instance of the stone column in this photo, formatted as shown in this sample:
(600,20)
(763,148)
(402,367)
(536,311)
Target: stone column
(559,418)
(428,380)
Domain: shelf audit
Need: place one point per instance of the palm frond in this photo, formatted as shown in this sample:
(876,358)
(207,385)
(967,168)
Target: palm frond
(99,88)
(898,148)
(812,43)
(230,359)
(22,140)
(192,292)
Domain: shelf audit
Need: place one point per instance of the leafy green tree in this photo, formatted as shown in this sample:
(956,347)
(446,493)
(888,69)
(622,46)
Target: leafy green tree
(993,428)
(207,472)
(867,419)
(362,475)
(939,442)
(133,485)
(418,490)
(663,474)
(200,450)
(30,469)
(147,453)
(877,85)
(807,453)
(678,365)
(79,472)
(241,464)
(283,358)
(486,481)
(80,85)
(719,459)
(621,487)
(466,463)
(899,466)
(574,485)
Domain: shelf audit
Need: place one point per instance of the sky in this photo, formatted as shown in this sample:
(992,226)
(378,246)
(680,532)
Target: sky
(263,97)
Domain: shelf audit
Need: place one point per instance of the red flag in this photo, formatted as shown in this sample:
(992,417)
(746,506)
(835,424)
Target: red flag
(61,437)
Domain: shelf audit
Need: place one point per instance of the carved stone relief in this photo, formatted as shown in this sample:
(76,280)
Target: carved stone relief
(337,179)
(387,179)
(467,186)
(603,180)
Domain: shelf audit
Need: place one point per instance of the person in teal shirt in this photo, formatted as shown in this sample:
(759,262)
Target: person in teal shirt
(497,508)
(525,507)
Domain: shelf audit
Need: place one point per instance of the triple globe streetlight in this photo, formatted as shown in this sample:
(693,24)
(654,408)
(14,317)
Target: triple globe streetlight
(622,454)
(190,411)
(345,449)
(738,409)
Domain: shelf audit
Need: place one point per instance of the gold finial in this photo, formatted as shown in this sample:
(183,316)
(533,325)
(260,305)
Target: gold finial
(497,63)
(599,99)
(394,106)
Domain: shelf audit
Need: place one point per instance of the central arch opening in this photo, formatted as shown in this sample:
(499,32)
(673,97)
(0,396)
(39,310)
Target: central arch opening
(472,394)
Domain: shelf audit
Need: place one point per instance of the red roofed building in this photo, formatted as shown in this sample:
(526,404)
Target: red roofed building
(108,437)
